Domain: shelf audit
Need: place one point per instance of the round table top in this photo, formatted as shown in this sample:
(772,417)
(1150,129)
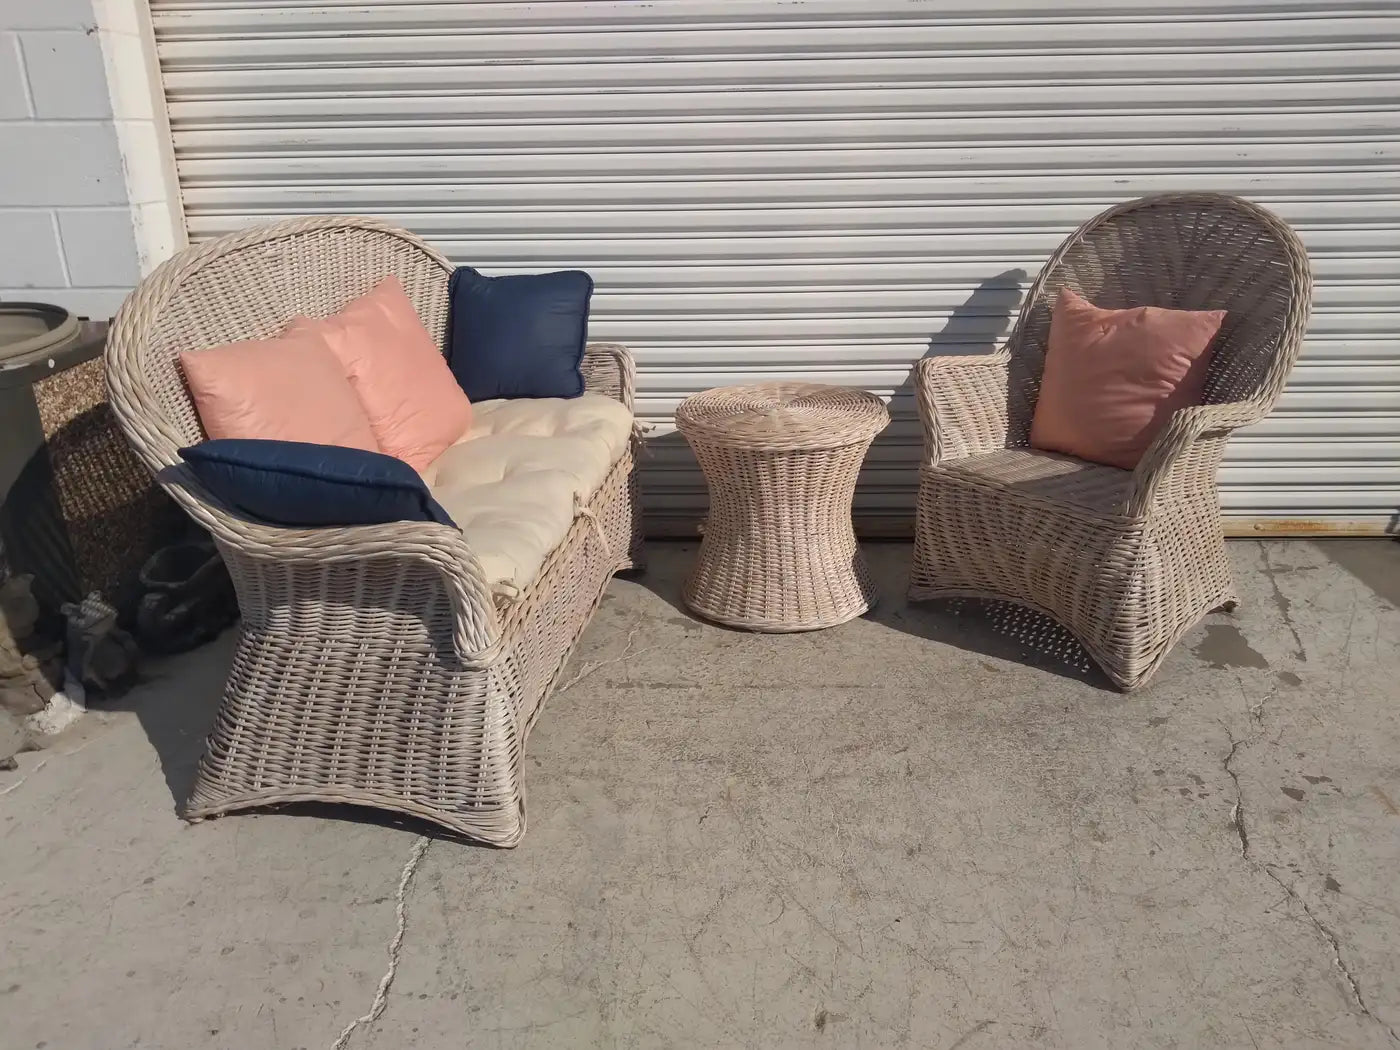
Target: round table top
(785,415)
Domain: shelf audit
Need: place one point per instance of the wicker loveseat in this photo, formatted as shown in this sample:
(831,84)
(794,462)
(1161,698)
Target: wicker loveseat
(398,666)
(1128,561)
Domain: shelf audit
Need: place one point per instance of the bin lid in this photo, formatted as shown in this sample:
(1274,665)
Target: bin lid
(38,339)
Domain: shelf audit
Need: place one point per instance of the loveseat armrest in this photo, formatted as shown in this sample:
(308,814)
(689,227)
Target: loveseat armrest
(962,404)
(405,568)
(608,369)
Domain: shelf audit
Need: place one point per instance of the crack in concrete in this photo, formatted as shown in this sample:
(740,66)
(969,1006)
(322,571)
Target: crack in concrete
(1336,946)
(1237,818)
(44,762)
(1237,810)
(1285,606)
(1256,711)
(381,994)
(593,667)
(24,779)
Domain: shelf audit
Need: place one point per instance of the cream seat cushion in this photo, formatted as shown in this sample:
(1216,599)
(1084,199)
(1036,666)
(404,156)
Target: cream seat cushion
(510,482)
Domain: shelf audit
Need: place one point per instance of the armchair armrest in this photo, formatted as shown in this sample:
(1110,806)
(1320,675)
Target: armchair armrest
(370,561)
(962,404)
(608,369)
(1184,457)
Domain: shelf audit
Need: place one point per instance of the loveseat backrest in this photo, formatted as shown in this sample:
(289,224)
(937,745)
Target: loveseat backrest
(248,285)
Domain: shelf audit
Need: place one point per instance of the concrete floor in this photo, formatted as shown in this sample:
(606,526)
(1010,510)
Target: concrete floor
(928,828)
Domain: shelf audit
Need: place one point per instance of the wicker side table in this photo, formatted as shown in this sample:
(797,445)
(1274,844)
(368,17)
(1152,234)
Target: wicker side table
(781,459)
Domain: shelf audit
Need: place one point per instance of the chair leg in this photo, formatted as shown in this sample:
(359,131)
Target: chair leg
(922,576)
(921,584)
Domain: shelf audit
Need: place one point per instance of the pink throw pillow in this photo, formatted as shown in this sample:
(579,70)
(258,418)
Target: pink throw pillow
(289,388)
(1113,378)
(414,404)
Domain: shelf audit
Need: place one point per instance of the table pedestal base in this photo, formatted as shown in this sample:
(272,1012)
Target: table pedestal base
(778,552)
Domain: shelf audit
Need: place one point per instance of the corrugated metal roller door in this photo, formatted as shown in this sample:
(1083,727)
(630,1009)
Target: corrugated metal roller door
(827,189)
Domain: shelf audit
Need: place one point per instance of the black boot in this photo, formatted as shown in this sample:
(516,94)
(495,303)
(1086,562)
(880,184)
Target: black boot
(189,598)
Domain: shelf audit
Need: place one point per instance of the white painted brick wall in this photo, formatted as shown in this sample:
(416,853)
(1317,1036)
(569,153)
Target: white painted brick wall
(66,233)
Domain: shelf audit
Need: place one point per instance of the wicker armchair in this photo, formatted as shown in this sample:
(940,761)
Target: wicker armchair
(374,663)
(1128,561)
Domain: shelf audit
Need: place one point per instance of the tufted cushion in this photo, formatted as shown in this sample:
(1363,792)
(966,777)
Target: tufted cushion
(510,482)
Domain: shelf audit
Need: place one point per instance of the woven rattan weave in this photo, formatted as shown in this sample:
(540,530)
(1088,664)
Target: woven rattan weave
(374,664)
(1126,560)
(781,459)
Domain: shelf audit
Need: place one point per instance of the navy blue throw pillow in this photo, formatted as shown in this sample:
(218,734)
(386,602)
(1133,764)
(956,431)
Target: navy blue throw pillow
(295,483)
(521,335)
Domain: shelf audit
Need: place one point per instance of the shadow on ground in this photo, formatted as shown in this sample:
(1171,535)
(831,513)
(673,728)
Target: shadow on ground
(997,630)
(175,704)
(1373,562)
